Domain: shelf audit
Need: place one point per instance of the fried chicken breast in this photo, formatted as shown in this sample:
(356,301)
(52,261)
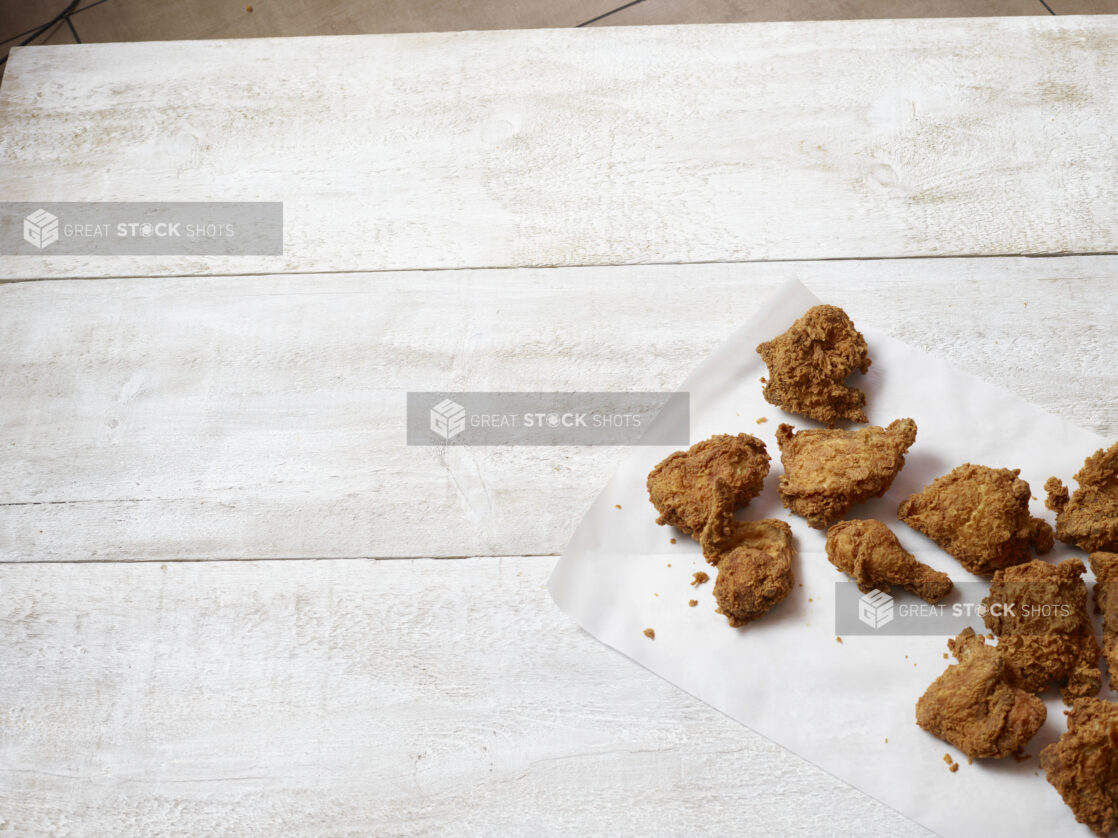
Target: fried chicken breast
(826,472)
(973,705)
(980,516)
(1038,611)
(809,363)
(1082,765)
(1088,518)
(682,486)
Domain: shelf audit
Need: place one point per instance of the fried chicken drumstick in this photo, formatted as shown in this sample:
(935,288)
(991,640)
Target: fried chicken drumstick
(871,555)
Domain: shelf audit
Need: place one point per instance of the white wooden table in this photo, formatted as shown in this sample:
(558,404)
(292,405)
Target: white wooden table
(233,602)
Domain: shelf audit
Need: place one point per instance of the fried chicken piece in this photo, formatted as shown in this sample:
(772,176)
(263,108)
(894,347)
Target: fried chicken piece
(980,516)
(681,487)
(1082,765)
(973,705)
(754,560)
(809,363)
(1039,613)
(1089,518)
(1105,568)
(871,555)
(826,472)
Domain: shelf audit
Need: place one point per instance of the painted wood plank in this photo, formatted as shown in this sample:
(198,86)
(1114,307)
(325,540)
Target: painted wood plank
(344,698)
(263,416)
(576,147)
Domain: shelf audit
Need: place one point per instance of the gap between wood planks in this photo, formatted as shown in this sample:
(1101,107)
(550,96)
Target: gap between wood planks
(1052,255)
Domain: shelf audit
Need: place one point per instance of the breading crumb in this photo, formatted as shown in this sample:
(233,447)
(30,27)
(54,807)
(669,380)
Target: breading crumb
(650,634)
(617,506)
(762,420)
(692,602)
(671,541)
(838,640)
(699,578)
(953,767)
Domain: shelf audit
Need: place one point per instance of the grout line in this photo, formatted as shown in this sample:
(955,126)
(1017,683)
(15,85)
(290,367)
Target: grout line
(1043,3)
(607,14)
(73,31)
(33,562)
(343,271)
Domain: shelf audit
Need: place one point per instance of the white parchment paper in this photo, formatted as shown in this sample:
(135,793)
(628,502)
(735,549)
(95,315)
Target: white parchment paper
(786,676)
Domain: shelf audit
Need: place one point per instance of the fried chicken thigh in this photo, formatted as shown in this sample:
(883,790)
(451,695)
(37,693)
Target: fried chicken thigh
(1105,568)
(682,486)
(754,560)
(980,516)
(1082,765)
(809,363)
(826,472)
(1089,518)
(1039,613)
(871,555)
(973,705)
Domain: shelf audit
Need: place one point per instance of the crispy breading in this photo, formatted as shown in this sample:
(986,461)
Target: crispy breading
(1088,518)
(973,705)
(1082,765)
(871,555)
(826,472)
(809,363)
(1105,568)
(754,560)
(980,516)
(1038,611)
(681,487)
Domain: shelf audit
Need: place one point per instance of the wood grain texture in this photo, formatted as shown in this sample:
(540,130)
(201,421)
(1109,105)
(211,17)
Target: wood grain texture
(595,146)
(364,698)
(263,417)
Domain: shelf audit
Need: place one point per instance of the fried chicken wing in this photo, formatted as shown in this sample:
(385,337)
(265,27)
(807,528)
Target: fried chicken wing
(1089,517)
(980,516)
(973,706)
(871,555)
(681,487)
(1039,613)
(809,363)
(1105,568)
(1082,765)
(754,560)
(826,472)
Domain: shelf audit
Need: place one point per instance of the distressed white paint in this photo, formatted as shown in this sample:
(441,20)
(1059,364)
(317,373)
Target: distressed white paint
(596,146)
(358,698)
(263,417)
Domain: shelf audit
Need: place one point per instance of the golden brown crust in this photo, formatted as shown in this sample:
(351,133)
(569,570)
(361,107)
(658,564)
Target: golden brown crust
(973,706)
(809,363)
(754,560)
(1038,611)
(1088,518)
(681,487)
(1082,765)
(826,472)
(1105,568)
(980,516)
(871,555)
